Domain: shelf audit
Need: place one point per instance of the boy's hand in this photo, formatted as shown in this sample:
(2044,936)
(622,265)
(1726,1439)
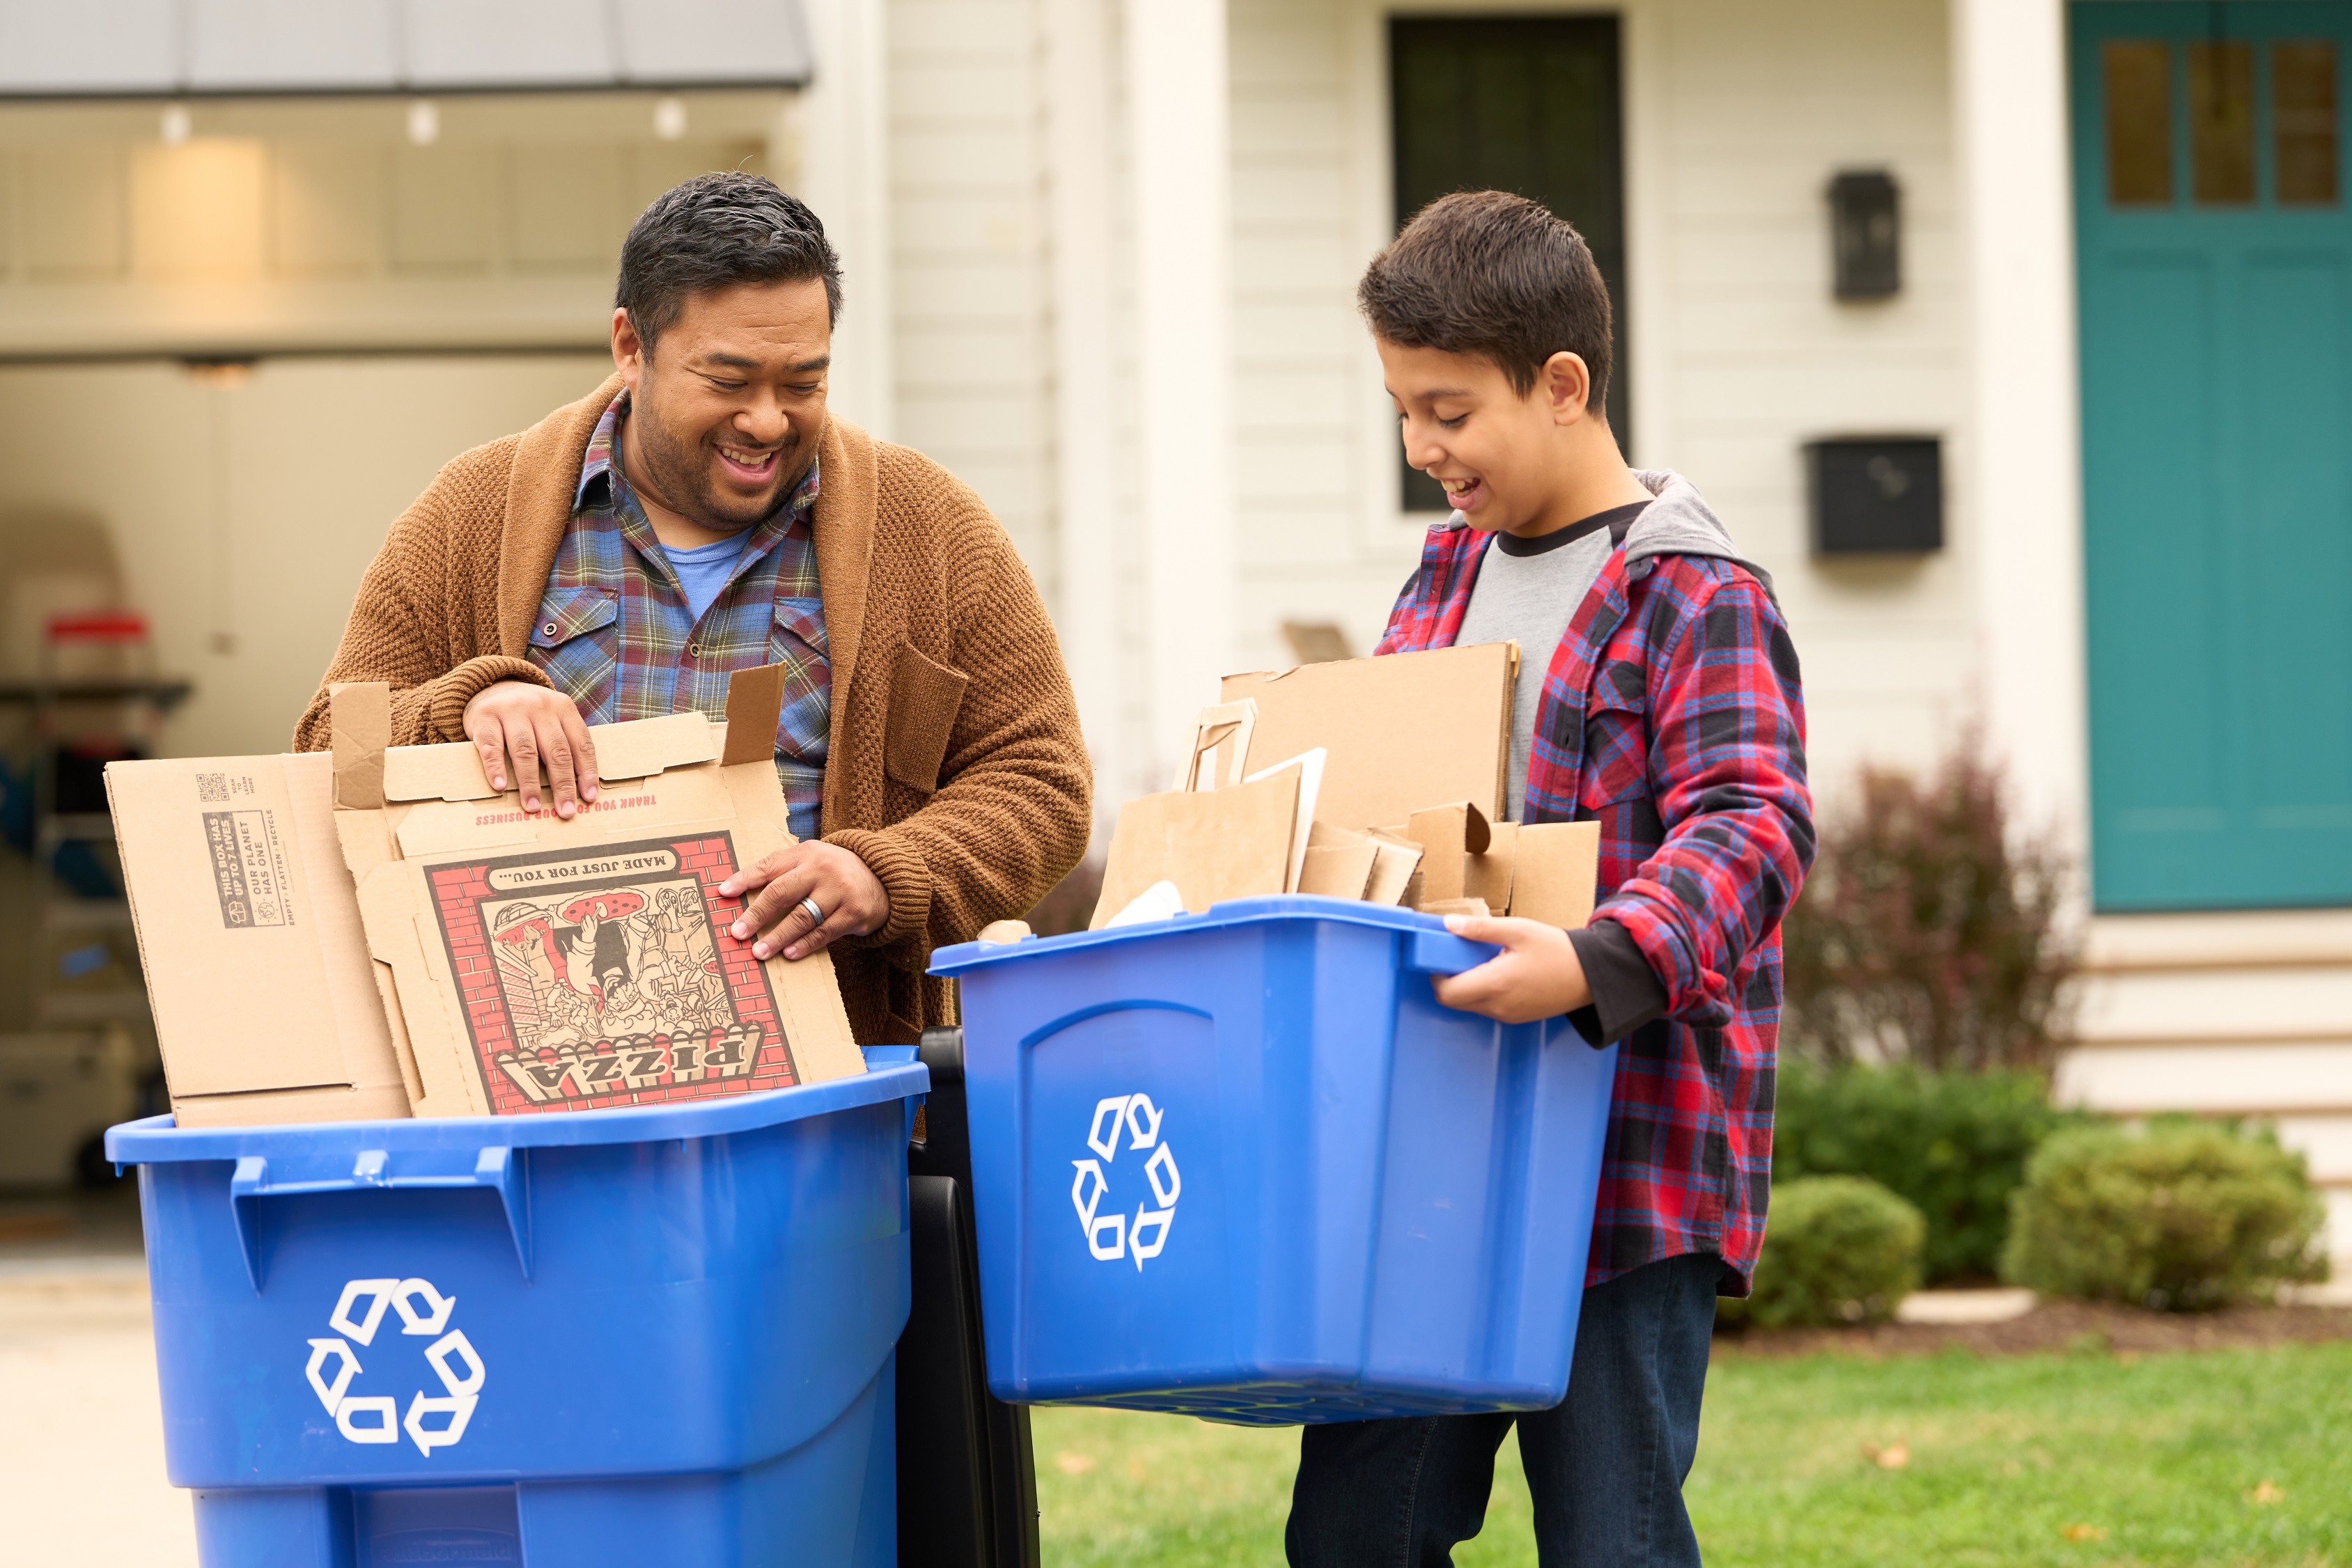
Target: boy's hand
(1535,976)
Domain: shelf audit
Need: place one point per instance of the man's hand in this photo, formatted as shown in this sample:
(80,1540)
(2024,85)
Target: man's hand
(1535,976)
(520,728)
(854,903)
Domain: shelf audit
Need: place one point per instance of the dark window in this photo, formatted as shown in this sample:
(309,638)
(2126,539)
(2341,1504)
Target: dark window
(2221,123)
(2302,115)
(1527,104)
(2139,121)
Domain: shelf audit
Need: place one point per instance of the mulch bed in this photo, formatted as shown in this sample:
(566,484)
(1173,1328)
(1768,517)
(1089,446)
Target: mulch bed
(2058,1326)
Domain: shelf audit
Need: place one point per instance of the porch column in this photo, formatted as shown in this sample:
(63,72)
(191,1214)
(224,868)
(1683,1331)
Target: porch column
(1183,301)
(2019,469)
(841,126)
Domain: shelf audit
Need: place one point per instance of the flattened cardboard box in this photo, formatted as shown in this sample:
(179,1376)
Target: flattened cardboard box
(248,927)
(1400,732)
(528,963)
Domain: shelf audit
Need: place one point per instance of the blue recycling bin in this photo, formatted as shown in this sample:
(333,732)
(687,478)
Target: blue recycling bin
(620,1337)
(1242,1165)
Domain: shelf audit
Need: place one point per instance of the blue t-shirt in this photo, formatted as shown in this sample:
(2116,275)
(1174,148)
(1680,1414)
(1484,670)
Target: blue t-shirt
(703,571)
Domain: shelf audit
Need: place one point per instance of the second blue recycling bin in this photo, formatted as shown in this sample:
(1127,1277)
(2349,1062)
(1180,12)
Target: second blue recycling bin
(596,1339)
(1243,1165)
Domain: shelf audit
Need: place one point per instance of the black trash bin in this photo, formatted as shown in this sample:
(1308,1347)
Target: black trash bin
(967,1477)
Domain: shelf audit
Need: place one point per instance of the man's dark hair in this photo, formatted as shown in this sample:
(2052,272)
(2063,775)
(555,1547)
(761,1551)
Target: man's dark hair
(714,232)
(1492,274)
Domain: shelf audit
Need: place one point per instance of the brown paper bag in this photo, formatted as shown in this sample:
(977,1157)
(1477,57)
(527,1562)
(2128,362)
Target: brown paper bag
(1234,842)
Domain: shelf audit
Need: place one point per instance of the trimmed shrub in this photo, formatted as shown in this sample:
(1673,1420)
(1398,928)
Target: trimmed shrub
(1954,1145)
(1837,1249)
(2184,1217)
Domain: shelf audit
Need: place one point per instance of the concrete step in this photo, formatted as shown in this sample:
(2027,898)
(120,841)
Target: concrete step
(2269,977)
(2308,1080)
(2213,1005)
(2240,939)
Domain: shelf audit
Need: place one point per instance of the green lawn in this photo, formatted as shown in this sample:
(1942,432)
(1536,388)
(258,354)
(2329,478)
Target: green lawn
(2227,1458)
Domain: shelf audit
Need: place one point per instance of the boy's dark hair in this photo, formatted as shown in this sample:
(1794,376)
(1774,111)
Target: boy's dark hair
(713,232)
(1492,274)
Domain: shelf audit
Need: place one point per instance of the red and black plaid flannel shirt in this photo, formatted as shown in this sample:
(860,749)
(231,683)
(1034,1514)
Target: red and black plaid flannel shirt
(1673,714)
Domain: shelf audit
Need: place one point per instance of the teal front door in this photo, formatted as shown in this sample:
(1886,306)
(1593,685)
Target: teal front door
(2215,255)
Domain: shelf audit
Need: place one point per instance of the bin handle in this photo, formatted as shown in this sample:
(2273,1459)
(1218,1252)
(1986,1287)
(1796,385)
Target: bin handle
(500,1169)
(1442,953)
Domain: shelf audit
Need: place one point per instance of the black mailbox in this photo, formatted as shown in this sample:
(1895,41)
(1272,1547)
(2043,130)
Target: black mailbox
(1876,495)
(1866,234)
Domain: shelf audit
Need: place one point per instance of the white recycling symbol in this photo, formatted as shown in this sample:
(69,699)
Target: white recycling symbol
(374,1417)
(1116,1235)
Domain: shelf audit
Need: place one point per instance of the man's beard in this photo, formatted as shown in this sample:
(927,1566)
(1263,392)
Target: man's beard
(680,475)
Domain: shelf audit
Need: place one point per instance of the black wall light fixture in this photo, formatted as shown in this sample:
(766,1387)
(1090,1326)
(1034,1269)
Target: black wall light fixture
(1866,234)
(1876,495)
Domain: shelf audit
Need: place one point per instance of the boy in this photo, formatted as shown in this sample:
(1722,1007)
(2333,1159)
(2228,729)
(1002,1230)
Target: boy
(1658,694)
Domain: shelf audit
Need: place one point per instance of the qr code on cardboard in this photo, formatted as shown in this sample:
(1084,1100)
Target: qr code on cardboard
(211,785)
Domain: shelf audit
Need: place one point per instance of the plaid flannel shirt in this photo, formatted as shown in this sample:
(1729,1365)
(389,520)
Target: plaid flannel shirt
(1673,714)
(614,632)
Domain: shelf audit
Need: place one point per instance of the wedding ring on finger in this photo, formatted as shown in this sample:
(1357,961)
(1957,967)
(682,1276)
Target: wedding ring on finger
(816,916)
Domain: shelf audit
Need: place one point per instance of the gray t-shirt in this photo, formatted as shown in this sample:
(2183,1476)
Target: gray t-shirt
(1528,592)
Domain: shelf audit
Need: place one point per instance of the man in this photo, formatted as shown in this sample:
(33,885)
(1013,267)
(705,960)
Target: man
(699,514)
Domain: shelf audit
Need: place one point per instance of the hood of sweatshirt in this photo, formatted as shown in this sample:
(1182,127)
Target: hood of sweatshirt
(1677,521)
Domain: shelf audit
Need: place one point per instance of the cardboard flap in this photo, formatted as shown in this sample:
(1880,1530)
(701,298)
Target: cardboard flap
(642,747)
(1557,875)
(1450,837)
(636,748)
(1394,865)
(369,1059)
(451,771)
(1339,871)
(360,713)
(1401,731)
(1489,876)
(755,705)
(1338,864)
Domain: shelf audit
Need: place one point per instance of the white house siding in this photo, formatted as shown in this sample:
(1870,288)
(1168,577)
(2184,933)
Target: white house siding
(1014,324)
(972,340)
(1320,535)
(1736,116)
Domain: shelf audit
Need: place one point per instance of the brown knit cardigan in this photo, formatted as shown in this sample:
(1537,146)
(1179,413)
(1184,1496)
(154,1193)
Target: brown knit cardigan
(955,772)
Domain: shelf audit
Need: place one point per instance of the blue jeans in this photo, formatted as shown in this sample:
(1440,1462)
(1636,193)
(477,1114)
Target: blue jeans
(1605,1465)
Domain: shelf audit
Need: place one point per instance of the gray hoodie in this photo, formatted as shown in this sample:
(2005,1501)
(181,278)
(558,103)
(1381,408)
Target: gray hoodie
(1678,522)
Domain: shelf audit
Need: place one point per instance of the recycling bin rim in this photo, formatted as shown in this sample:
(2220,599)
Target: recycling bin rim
(891,1074)
(1435,948)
